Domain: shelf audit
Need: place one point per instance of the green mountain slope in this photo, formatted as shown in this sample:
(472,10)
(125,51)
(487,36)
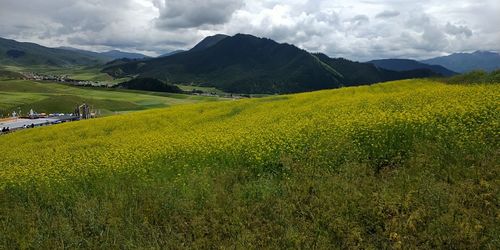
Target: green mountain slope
(209,42)
(248,64)
(29,54)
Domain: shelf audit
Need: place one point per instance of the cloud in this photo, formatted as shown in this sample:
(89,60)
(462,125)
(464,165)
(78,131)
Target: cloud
(359,20)
(388,14)
(458,30)
(195,13)
(358,29)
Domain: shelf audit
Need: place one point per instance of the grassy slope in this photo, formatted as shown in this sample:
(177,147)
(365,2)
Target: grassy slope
(403,164)
(53,97)
(84,73)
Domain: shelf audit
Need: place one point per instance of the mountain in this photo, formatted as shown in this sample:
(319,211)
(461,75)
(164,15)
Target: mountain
(465,62)
(356,73)
(172,53)
(407,64)
(248,64)
(209,42)
(31,54)
(109,55)
(87,53)
(204,44)
(117,54)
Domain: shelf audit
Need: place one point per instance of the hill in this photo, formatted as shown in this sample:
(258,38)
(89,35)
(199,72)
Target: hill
(172,53)
(466,62)
(356,73)
(149,84)
(407,65)
(30,54)
(117,54)
(475,77)
(393,165)
(248,64)
(108,55)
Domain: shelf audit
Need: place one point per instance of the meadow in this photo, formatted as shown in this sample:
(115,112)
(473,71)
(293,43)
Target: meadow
(82,73)
(406,164)
(54,97)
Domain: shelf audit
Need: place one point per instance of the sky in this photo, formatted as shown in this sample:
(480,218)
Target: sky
(359,29)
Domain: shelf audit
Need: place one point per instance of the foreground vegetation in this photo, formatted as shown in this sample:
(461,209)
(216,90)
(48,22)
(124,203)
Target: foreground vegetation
(474,77)
(409,164)
(54,97)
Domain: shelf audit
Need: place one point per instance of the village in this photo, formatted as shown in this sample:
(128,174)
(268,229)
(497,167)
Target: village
(63,79)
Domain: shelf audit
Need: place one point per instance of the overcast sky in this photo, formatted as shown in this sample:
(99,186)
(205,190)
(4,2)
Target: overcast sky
(357,29)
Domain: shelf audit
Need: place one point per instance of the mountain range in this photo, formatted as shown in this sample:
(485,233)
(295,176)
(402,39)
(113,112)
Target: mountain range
(108,55)
(465,62)
(407,64)
(246,64)
(249,64)
(31,54)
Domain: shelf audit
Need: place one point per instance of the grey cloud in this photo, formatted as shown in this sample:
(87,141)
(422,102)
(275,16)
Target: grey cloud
(359,20)
(190,14)
(458,30)
(388,14)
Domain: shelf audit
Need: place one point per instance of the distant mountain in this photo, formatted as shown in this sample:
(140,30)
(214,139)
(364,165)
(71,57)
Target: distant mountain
(109,55)
(209,42)
(172,53)
(117,54)
(356,73)
(31,54)
(248,64)
(465,62)
(87,53)
(407,64)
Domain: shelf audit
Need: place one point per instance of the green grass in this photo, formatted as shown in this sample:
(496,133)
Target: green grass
(204,89)
(54,97)
(84,73)
(401,165)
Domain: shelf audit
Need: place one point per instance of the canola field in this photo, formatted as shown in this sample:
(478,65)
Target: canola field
(403,164)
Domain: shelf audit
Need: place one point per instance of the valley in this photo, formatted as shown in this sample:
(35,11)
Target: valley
(50,97)
(149,139)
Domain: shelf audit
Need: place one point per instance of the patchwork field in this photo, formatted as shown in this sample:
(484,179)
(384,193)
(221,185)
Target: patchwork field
(54,97)
(407,164)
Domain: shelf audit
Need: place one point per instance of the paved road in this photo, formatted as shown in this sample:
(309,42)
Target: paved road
(20,123)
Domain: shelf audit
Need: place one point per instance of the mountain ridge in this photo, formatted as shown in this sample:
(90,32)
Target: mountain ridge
(29,54)
(248,64)
(409,64)
(466,62)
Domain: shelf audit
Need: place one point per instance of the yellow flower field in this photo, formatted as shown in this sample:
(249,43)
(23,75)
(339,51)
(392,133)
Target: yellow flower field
(396,131)
(257,132)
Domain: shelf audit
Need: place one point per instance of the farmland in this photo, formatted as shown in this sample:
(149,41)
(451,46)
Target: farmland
(53,97)
(402,164)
